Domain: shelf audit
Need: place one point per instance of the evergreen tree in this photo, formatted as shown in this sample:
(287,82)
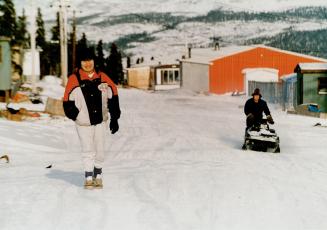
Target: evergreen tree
(8,24)
(128,62)
(114,67)
(53,52)
(41,43)
(70,52)
(100,61)
(81,47)
(22,36)
(53,48)
(40,31)
(55,30)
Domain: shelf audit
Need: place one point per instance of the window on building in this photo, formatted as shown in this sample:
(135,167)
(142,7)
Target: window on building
(164,77)
(177,75)
(169,76)
(322,85)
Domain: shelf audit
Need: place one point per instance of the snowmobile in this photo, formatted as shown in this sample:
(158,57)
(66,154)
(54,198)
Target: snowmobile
(260,137)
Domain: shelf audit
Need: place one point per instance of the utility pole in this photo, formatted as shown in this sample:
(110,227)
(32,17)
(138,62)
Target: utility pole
(74,42)
(63,40)
(33,45)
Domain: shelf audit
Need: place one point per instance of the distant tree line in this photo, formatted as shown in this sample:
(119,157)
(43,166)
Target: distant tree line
(15,29)
(170,21)
(124,41)
(305,42)
(296,14)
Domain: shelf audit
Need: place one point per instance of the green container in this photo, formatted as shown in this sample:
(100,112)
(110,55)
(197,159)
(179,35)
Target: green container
(312,86)
(5,64)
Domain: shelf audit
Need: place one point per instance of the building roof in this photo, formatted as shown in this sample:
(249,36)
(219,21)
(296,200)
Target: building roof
(162,59)
(290,77)
(311,67)
(206,56)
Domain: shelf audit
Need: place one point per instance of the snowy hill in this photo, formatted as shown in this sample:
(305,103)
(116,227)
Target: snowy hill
(182,7)
(175,164)
(155,27)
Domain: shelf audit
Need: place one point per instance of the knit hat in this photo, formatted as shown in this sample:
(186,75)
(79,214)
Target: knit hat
(87,54)
(256,92)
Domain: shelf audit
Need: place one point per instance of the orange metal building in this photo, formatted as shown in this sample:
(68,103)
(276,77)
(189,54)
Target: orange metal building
(225,73)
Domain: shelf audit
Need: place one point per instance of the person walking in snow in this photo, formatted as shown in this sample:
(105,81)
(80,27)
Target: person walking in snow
(253,109)
(89,96)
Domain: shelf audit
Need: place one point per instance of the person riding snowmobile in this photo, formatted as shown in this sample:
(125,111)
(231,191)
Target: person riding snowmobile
(253,109)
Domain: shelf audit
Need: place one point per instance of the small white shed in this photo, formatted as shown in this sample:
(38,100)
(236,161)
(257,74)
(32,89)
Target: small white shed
(258,75)
(27,66)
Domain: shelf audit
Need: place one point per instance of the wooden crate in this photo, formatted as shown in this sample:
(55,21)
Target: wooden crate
(54,107)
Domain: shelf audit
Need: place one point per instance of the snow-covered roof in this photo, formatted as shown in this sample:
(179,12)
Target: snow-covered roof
(206,56)
(289,77)
(292,53)
(321,67)
(164,59)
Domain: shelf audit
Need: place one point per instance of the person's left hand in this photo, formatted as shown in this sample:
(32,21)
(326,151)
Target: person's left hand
(114,127)
(270,119)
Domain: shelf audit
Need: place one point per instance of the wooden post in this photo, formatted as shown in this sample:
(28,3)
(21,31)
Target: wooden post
(7,96)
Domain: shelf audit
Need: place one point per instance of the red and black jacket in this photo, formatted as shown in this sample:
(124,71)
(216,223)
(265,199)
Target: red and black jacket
(86,99)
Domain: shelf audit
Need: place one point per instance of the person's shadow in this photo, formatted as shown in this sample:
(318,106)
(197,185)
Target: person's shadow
(73,178)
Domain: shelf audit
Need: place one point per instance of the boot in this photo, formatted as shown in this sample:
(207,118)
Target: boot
(88,184)
(97,177)
(97,182)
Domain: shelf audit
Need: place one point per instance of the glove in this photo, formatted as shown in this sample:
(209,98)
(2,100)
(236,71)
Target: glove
(270,119)
(70,110)
(113,126)
(249,120)
(250,116)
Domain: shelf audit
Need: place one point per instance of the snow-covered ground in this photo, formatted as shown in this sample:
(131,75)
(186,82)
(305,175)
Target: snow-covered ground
(175,164)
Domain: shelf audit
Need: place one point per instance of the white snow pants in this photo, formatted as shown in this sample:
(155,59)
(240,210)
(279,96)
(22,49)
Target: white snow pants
(92,140)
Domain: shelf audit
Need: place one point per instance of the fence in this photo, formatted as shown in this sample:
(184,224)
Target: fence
(270,91)
(283,93)
(289,100)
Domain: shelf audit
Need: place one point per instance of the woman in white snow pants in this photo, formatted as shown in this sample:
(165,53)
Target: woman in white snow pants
(89,96)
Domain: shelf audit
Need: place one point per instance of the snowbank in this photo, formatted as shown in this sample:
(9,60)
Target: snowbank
(175,164)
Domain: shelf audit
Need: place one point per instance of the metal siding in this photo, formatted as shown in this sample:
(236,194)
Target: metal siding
(195,77)
(289,93)
(226,73)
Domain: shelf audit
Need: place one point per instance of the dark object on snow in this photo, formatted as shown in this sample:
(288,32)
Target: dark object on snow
(320,125)
(36,101)
(5,157)
(49,167)
(12,111)
(260,137)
